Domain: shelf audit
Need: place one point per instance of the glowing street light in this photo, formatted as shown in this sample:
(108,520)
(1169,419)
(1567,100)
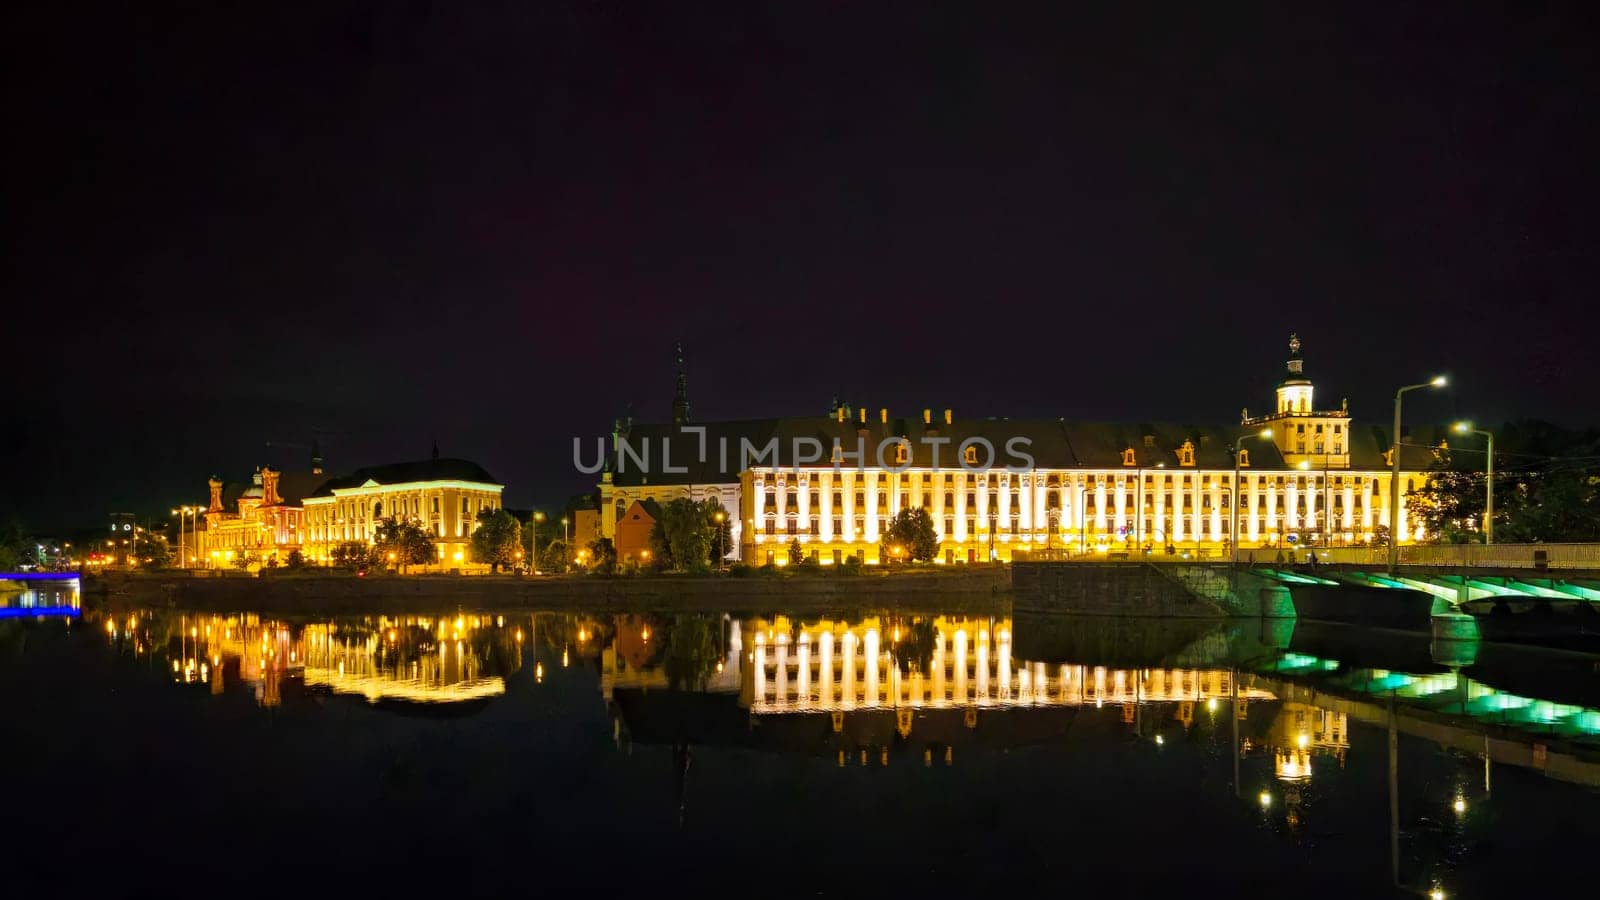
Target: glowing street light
(1488,476)
(1394,473)
(1264,434)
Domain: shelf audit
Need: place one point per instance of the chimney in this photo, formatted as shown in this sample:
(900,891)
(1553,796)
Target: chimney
(839,413)
(947,417)
(927,416)
(863,415)
(883,414)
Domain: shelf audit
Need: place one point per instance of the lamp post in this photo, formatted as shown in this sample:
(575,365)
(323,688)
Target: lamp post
(1083,521)
(533,564)
(721,551)
(180,512)
(1488,502)
(1233,529)
(566,543)
(1394,474)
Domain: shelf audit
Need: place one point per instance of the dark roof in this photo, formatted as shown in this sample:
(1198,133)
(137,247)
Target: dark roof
(409,472)
(1052,444)
(293,487)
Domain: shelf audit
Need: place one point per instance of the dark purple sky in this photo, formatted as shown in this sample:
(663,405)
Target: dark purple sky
(487,223)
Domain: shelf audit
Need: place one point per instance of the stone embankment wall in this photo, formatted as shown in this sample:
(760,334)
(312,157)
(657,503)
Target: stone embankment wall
(977,588)
(1107,589)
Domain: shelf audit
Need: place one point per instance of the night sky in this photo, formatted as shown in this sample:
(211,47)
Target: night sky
(485,224)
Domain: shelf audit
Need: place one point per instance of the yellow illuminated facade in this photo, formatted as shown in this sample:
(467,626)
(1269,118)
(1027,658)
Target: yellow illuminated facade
(838,667)
(444,495)
(1090,490)
(262,528)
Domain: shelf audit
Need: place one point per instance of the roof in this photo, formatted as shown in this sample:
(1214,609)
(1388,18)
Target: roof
(293,487)
(445,469)
(1053,444)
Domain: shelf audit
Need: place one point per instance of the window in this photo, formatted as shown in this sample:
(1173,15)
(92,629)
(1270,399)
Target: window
(836,503)
(970,455)
(860,499)
(900,453)
(905,500)
(1244,458)
(837,526)
(1186,454)
(1129,458)
(949,499)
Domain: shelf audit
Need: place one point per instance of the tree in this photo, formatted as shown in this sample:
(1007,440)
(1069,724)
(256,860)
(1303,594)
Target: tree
(797,553)
(684,534)
(604,554)
(912,531)
(553,556)
(151,553)
(16,549)
(351,553)
(402,542)
(1449,506)
(496,539)
(243,561)
(296,559)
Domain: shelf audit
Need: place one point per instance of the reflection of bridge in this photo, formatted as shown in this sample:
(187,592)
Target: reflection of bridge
(1450,709)
(32,594)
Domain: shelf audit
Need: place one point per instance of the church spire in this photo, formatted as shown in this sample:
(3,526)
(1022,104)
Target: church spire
(680,397)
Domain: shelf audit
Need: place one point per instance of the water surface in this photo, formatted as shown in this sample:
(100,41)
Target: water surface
(838,754)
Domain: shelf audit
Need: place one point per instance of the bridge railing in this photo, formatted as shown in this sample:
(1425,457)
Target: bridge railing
(1506,556)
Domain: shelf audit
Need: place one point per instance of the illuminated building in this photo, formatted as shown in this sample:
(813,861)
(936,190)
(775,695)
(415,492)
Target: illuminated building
(834,482)
(262,521)
(444,495)
(631,536)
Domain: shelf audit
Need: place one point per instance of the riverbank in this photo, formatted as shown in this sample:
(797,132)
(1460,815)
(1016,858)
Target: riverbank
(291,594)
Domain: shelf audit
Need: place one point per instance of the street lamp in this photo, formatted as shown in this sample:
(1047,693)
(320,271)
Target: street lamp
(566,543)
(1233,529)
(533,564)
(1488,503)
(1394,474)
(721,550)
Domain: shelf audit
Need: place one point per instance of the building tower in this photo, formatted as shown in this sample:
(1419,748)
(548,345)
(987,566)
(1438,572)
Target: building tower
(680,397)
(1304,434)
(1294,391)
(316,457)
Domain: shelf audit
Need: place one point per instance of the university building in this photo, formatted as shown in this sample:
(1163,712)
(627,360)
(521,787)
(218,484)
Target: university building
(444,495)
(999,489)
(279,512)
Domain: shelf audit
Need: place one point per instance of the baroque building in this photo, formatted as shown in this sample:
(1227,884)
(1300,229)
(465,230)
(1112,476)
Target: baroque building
(1004,489)
(444,495)
(262,521)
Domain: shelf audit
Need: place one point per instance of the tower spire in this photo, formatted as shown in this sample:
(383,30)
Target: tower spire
(1295,365)
(680,397)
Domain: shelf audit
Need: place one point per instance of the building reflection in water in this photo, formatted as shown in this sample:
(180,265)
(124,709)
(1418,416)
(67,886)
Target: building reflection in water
(942,662)
(405,659)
